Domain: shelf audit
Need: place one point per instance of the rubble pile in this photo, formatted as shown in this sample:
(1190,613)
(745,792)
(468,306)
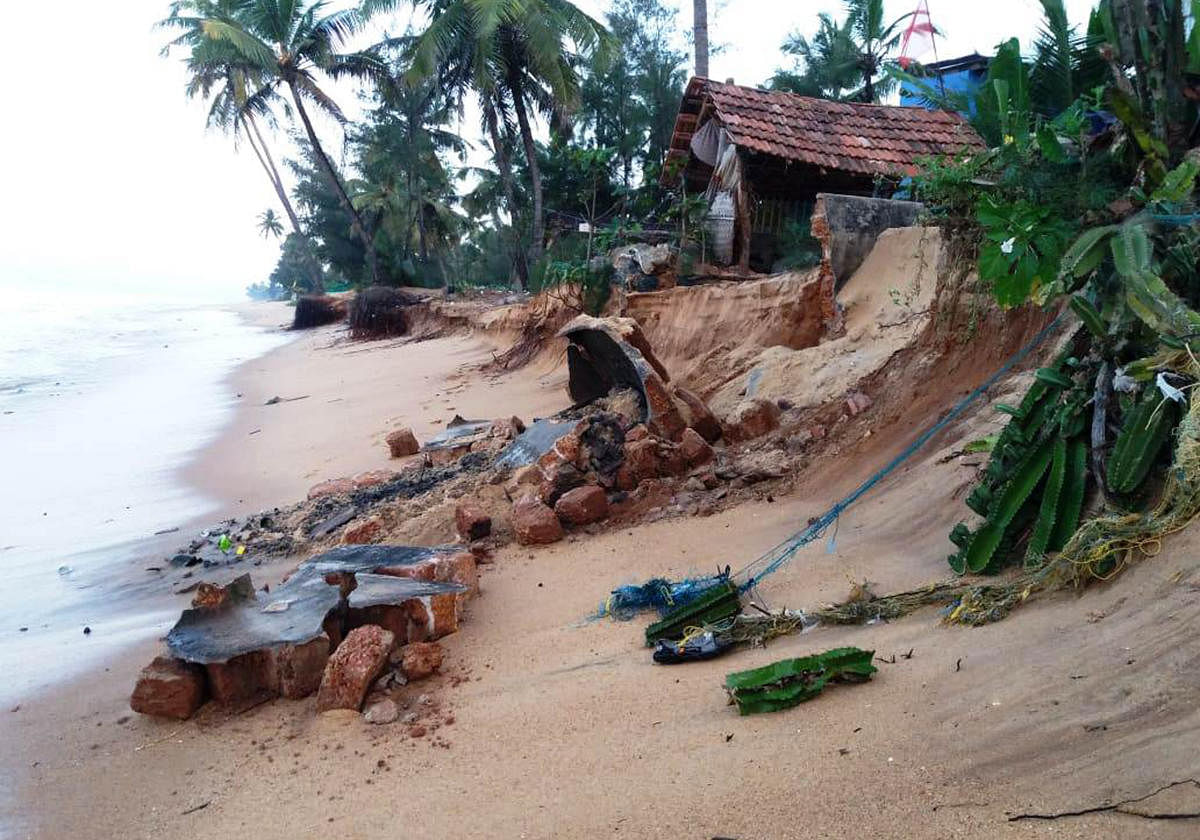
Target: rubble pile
(338,622)
(360,614)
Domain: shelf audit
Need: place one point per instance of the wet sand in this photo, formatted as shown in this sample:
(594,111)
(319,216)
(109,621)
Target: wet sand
(564,728)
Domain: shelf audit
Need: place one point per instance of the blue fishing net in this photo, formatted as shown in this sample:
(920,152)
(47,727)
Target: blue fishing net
(659,594)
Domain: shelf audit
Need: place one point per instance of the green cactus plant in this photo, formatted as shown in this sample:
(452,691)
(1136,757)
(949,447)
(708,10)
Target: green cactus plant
(1145,430)
(1035,480)
(979,553)
(1048,509)
(1070,500)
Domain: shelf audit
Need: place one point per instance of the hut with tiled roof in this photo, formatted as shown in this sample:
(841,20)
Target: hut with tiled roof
(765,155)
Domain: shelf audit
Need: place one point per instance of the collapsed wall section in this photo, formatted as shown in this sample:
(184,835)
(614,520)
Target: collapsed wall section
(848,226)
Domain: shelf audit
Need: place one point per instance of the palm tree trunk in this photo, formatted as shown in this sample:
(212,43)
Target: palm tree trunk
(356,222)
(700,36)
(535,172)
(264,157)
(504,164)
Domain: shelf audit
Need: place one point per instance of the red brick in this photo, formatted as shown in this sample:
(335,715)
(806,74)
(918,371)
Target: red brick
(353,667)
(170,688)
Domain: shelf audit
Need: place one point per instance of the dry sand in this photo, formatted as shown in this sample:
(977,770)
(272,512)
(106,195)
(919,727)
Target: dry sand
(564,728)
(339,401)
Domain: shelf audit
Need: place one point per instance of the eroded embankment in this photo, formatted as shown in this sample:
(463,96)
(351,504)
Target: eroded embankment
(917,334)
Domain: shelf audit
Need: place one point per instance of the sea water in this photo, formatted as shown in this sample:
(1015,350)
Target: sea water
(102,401)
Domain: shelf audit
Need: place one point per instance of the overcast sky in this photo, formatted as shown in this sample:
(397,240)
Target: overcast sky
(110,180)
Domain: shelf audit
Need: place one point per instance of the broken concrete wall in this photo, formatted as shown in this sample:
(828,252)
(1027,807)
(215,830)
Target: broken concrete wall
(850,224)
(847,226)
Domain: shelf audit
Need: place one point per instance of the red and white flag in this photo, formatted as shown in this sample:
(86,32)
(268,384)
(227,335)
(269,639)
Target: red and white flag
(918,35)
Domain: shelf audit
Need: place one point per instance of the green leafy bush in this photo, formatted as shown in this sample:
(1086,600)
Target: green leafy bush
(1023,244)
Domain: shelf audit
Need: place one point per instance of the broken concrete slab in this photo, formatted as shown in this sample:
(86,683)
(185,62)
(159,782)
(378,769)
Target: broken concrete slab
(332,522)
(456,440)
(533,443)
(847,226)
(295,612)
(850,224)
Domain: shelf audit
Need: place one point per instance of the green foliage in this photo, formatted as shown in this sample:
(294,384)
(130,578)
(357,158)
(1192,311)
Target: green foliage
(979,554)
(629,97)
(825,66)
(1131,271)
(1035,479)
(1089,316)
(594,282)
(790,682)
(718,603)
(1071,498)
(1047,520)
(291,271)
(1144,432)
(1022,246)
(844,61)
(269,225)
(1004,102)
(267,291)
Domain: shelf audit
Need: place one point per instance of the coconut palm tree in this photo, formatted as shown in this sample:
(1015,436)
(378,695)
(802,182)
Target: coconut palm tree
(873,42)
(269,225)
(826,64)
(291,44)
(517,56)
(238,97)
(700,36)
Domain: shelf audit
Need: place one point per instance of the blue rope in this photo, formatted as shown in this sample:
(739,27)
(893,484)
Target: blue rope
(774,559)
(1179,220)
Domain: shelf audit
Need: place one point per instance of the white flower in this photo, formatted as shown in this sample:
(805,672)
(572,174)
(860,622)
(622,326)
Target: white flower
(1006,247)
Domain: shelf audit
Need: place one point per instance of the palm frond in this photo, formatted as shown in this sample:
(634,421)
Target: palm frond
(248,46)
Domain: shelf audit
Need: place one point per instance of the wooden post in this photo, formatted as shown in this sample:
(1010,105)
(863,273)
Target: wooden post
(744,217)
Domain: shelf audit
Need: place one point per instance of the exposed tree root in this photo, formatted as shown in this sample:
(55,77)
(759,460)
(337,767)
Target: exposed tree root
(1122,807)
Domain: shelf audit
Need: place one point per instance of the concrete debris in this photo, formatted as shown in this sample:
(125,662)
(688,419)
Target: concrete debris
(610,354)
(582,506)
(857,402)
(751,418)
(237,645)
(472,521)
(696,450)
(697,415)
(363,532)
(383,712)
(534,523)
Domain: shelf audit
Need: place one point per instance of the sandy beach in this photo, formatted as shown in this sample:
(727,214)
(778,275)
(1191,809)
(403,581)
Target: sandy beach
(339,401)
(552,725)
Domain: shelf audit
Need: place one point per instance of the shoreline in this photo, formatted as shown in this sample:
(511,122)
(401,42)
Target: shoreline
(110,589)
(308,436)
(339,400)
(554,726)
